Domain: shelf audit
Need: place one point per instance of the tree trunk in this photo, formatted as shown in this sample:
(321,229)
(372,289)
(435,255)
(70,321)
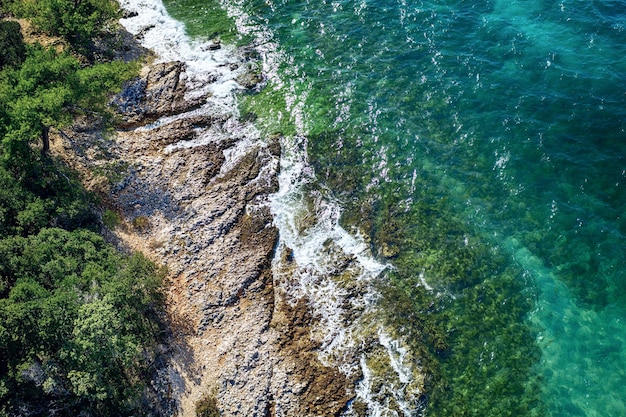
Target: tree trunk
(45,138)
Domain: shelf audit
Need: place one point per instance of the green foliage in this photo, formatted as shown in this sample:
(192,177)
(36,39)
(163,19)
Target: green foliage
(78,320)
(96,82)
(207,407)
(11,44)
(110,219)
(46,91)
(11,201)
(42,196)
(71,302)
(78,21)
(36,97)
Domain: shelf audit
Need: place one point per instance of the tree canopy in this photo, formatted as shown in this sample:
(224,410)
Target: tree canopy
(75,321)
(77,21)
(78,320)
(47,91)
(11,43)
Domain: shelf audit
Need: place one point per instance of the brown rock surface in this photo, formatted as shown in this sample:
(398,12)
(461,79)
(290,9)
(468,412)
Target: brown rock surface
(160,93)
(193,190)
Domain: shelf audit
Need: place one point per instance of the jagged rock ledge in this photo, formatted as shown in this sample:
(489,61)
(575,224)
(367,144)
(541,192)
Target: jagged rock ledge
(191,183)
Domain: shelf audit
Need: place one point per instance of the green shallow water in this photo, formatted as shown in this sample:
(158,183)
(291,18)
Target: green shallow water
(481,148)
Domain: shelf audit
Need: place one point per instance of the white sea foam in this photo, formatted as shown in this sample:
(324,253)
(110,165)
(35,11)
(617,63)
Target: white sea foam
(319,249)
(208,71)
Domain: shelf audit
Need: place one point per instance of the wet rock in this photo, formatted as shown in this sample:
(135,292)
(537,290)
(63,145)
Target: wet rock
(250,79)
(250,53)
(177,131)
(307,387)
(127,14)
(215,45)
(143,31)
(165,90)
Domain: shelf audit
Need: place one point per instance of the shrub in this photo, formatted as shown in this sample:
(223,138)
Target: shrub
(110,219)
(141,223)
(207,407)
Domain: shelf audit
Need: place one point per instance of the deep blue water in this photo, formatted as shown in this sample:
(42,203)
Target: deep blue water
(484,141)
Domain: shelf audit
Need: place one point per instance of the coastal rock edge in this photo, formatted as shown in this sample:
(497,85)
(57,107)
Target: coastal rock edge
(192,188)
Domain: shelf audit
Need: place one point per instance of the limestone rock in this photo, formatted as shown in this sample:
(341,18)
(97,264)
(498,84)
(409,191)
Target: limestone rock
(160,93)
(202,186)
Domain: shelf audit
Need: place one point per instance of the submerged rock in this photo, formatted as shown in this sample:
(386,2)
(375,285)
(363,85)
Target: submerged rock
(251,78)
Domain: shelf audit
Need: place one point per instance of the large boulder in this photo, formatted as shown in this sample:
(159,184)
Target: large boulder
(161,93)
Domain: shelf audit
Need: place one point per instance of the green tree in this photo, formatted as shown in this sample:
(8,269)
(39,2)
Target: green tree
(37,96)
(78,21)
(103,354)
(47,91)
(11,202)
(77,321)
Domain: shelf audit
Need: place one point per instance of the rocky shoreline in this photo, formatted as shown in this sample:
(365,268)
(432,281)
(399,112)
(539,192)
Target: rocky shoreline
(257,325)
(191,185)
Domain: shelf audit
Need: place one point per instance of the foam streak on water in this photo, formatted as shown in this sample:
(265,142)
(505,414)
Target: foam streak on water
(336,271)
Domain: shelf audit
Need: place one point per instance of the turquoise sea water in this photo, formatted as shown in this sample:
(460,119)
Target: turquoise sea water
(481,148)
